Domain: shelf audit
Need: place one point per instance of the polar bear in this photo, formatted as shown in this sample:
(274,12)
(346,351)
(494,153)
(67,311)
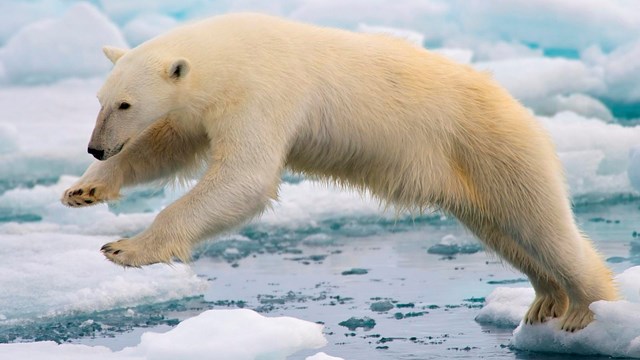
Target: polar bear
(250,95)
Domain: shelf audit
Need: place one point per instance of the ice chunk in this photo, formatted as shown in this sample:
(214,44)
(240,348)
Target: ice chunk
(567,24)
(629,284)
(581,104)
(462,56)
(499,50)
(322,356)
(614,332)
(620,70)
(451,245)
(595,154)
(124,11)
(8,138)
(16,14)
(146,26)
(229,334)
(544,78)
(51,49)
(505,307)
(634,167)
(42,259)
(410,36)
(309,201)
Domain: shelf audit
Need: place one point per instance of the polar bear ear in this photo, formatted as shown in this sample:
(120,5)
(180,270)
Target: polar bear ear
(178,69)
(113,53)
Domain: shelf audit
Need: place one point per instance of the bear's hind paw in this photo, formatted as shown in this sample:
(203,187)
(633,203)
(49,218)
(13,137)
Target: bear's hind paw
(545,307)
(576,319)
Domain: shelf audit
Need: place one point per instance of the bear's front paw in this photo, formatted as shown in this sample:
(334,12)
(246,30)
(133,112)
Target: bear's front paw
(128,253)
(144,250)
(86,195)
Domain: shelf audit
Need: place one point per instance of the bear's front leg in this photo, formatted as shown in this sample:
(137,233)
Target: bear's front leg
(237,186)
(101,182)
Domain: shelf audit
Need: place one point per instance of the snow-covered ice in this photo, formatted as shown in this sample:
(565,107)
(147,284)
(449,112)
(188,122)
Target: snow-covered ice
(614,332)
(51,49)
(224,334)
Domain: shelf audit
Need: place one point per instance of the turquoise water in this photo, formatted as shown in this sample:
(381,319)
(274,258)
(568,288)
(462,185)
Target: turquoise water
(406,301)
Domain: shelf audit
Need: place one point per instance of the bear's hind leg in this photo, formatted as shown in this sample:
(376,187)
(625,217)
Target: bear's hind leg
(551,300)
(573,264)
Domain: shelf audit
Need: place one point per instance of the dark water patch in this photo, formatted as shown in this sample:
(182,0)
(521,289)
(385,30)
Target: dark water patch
(355,271)
(9,215)
(366,323)
(592,203)
(475,300)
(626,113)
(26,182)
(400,316)
(405,305)
(107,323)
(270,302)
(616,259)
(381,306)
(143,200)
(507,281)
(454,249)
(603,220)
(258,239)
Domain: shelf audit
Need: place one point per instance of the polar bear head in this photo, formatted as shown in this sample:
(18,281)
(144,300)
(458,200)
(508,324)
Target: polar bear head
(140,90)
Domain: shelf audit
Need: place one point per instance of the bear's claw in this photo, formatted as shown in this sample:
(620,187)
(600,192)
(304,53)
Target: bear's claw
(576,319)
(545,307)
(86,195)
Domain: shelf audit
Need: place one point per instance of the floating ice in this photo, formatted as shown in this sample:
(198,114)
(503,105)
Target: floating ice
(505,307)
(228,334)
(413,37)
(614,332)
(146,26)
(620,70)
(581,104)
(322,356)
(575,24)
(544,77)
(16,14)
(595,154)
(634,167)
(45,259)
(451,245)
(51,49)
(124,11)
(8,135)
(462,56)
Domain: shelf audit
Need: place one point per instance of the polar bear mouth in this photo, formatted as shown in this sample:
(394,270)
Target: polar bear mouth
(115,151)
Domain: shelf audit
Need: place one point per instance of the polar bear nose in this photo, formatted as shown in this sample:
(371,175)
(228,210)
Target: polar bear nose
(98,154)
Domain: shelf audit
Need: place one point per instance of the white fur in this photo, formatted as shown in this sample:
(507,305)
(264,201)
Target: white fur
(261,94)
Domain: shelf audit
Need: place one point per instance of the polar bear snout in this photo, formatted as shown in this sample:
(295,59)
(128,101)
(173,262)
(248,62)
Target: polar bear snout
(98,154)
(104,154)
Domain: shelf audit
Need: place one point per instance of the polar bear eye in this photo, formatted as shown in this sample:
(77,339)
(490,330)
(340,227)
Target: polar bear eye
(124,106)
